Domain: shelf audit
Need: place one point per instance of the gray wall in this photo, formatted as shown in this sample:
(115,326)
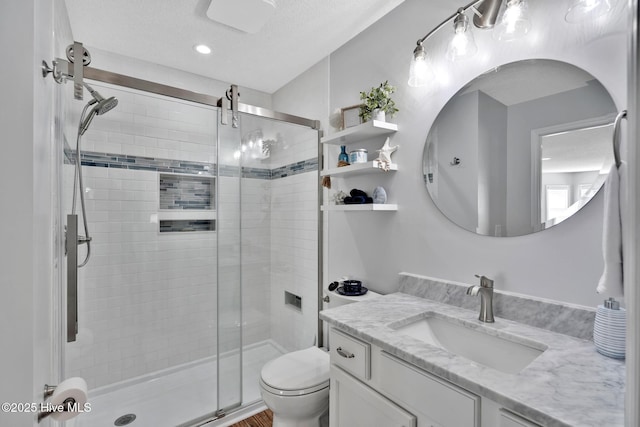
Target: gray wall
(457,192)
(563,263)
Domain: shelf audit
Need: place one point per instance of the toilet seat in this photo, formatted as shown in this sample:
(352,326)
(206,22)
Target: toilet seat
(301,392)
(297,373)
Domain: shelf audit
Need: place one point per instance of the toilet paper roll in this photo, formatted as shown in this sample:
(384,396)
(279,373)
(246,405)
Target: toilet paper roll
(73,388)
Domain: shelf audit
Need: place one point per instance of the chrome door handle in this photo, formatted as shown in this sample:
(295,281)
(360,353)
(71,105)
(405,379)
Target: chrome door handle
(345,353)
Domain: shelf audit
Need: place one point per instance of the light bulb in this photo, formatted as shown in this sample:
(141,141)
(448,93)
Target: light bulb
(587,9)
(515,21)
(420,73)
(462,45)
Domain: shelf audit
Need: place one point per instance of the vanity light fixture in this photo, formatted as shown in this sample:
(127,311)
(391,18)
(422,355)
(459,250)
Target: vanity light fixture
(579,10)
(202,48)
(515,21)
(462,45)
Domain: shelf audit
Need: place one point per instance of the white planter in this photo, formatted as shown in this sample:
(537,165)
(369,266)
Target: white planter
(379,115)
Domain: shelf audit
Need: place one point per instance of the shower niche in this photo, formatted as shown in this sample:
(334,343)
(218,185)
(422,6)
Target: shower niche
(187,203)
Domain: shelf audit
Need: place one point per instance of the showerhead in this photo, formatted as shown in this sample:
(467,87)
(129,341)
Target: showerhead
(101,106)
(105,105)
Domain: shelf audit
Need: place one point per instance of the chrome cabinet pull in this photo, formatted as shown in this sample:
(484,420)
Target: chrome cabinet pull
(345,353)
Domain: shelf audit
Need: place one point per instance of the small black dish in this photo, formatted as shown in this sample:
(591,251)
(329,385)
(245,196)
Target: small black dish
(362,291)
(351,285)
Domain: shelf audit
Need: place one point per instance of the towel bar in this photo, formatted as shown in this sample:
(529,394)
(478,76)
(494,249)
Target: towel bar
(616,135)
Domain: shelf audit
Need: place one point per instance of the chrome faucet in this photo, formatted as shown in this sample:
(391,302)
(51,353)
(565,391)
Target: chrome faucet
(486,298)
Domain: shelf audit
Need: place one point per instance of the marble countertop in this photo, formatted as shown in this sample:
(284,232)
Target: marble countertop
(569,384)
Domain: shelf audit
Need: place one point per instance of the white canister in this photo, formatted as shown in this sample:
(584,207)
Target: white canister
(358,156)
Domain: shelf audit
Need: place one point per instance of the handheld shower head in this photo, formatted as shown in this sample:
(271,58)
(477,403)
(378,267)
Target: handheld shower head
(106,105)
(101,106)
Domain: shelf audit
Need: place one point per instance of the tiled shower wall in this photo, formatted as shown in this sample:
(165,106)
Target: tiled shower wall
(294,263)
(147,299)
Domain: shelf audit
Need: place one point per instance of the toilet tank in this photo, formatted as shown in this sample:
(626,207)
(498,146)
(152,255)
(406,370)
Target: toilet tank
(333,299)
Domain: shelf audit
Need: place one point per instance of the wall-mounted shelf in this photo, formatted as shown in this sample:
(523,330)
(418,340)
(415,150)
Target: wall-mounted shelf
(358,169)
(364,133)
(360,133)
(366,207)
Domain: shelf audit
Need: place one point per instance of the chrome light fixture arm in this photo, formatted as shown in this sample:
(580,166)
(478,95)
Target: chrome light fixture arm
(475,7)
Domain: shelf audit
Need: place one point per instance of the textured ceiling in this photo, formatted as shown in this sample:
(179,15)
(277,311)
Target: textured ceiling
(300,34)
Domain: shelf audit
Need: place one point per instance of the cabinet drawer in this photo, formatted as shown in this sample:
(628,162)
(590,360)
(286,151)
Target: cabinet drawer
(444,403)
(351,354)
(508,419)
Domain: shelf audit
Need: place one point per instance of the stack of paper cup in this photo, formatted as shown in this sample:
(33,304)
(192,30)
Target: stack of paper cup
(609,329)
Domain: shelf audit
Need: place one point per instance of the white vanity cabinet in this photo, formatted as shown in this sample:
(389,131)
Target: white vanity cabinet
(371,388)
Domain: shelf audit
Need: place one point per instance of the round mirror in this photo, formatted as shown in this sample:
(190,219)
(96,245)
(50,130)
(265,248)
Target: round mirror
(520,148)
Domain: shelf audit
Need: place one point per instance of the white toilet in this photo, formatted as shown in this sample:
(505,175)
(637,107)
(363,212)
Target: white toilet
(295,386)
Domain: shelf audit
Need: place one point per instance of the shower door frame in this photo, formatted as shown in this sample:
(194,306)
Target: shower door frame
(204,99)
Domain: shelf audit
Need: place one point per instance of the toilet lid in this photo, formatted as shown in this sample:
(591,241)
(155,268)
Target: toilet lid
(298,370)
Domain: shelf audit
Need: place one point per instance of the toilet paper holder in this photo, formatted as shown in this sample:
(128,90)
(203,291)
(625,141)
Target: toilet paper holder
(48,392)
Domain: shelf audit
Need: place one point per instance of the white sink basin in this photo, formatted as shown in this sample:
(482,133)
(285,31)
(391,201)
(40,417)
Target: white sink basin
(495,352)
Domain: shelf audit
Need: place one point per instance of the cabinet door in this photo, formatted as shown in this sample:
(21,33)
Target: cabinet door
(353,404)
(507,419)
(430,398)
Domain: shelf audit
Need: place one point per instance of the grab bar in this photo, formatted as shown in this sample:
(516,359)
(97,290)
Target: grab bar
(72,277)
(616,136)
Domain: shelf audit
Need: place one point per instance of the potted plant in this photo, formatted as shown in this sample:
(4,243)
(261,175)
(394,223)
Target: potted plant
(377,102)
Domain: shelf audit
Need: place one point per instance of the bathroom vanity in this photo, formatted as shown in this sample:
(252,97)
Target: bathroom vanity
(392,364)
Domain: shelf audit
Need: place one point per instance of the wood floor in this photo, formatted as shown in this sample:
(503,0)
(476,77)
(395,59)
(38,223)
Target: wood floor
(262,419)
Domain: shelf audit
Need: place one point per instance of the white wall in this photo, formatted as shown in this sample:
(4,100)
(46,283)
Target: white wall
(27,360)
(563,263)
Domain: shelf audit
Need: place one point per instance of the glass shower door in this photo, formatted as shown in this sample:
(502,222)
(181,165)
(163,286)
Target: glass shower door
(150,339)
(229,298)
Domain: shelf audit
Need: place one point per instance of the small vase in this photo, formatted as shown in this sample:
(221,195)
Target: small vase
(343,156)
(378,115)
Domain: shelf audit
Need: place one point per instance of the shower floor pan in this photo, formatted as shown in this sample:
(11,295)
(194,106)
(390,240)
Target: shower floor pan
(177,397)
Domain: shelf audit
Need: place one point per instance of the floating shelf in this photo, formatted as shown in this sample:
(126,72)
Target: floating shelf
(186,214)
(360,133)
(365,207)
(358,169)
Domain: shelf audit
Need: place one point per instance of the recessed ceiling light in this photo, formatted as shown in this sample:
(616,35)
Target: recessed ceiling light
(202,48)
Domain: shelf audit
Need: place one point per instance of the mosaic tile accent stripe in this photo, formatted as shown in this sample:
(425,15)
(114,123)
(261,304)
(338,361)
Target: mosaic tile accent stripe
(167,226)
(186,192)
(295,168)
(121,161)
